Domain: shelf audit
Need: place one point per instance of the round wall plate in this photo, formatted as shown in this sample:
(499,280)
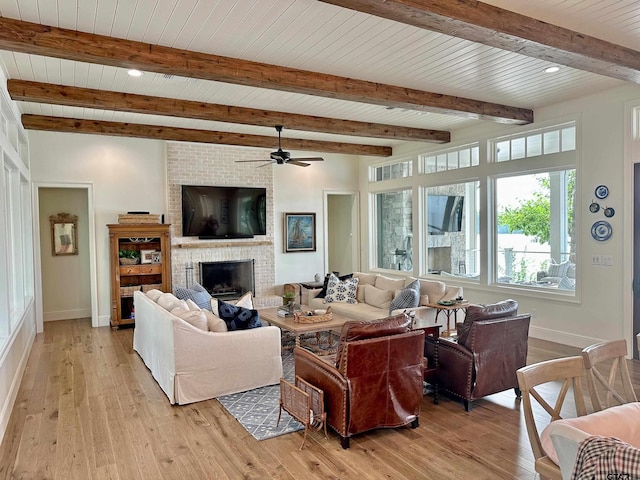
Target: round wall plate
(594,207)
(609,212)
(601,231)
(602,191)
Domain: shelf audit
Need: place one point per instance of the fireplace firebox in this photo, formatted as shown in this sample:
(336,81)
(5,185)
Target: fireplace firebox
(228,280)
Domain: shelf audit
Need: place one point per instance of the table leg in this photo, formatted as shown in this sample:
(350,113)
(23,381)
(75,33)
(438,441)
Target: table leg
(297,339)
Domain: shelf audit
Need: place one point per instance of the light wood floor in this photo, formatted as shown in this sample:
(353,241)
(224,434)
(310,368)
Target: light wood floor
(89,409)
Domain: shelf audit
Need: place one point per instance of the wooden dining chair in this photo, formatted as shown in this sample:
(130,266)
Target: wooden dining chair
(617,383)
(535,383)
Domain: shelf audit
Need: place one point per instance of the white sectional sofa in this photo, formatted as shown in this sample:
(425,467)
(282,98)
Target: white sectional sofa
(373,303)
(191,364)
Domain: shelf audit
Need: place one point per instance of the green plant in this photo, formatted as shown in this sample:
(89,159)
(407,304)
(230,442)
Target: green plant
(290,295)
(128,254)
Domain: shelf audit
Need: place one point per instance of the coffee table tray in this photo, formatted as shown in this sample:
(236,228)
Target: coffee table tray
(310,317)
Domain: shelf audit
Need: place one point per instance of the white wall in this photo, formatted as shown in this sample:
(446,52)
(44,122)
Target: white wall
(600,310)
(127,174)
(302,189)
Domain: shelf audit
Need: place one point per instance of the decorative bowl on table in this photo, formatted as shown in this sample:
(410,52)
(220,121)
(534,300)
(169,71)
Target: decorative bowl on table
(447,303)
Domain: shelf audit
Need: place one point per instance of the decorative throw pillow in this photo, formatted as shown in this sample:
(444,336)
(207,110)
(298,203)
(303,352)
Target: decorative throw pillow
(323,292)
(168,301)
(197,293)
(341,290)
(192,305)
(245,301)
(238,318)
(409,297)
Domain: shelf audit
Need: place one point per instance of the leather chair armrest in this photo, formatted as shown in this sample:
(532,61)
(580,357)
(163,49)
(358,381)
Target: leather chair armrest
(455,368)
(327,378)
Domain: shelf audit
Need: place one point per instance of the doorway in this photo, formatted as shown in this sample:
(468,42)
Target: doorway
(342,250)
(65,284)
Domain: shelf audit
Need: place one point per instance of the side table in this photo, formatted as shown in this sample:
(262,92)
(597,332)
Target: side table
(448,311)
(431,340)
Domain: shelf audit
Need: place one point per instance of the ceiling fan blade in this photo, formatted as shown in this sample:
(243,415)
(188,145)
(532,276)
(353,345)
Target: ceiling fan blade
(243,161)
(296,162)
(268,163)
(309,159)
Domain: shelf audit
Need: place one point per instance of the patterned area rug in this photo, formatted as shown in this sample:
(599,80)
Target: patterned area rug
(257,409)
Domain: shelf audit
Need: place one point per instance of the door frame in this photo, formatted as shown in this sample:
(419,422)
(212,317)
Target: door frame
(355,225)
(37,254)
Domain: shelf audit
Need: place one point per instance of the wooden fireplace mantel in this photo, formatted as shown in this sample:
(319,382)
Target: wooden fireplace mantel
(223,244)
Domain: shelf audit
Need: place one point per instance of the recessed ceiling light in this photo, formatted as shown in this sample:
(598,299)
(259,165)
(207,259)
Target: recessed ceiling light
(551,69)
(134,73)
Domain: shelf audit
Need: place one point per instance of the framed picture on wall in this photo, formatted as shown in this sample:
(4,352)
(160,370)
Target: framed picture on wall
(64,234)
(299,232)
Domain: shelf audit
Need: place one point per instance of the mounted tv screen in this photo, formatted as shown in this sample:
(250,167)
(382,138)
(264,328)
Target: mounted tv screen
(444,214)
(223,212)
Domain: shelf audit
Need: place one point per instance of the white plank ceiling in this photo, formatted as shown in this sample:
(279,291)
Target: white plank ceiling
(314,36)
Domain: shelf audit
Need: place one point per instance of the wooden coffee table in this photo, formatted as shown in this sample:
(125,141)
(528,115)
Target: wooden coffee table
(270,315)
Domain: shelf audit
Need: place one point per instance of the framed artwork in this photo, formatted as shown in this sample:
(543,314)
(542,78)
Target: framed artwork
(64,234)
(299,232)
(146,256)
(156,257)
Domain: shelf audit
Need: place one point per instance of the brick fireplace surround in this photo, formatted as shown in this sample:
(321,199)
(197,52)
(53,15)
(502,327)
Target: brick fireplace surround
(195,164)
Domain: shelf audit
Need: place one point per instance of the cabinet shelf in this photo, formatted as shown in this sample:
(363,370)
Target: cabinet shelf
(125,279)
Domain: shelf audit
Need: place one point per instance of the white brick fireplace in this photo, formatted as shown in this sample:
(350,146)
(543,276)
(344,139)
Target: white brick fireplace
(204,164)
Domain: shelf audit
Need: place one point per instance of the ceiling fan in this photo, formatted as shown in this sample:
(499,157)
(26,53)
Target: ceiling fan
(281,157)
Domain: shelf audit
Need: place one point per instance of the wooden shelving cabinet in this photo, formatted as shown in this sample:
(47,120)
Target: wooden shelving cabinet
(125,279)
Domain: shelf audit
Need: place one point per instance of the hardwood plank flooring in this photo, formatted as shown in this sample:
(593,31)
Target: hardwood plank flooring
(88,408)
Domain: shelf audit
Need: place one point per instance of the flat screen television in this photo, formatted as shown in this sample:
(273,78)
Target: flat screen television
(444,214)
(212,212)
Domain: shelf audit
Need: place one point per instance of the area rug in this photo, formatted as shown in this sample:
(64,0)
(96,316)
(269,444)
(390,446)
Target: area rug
(257,409)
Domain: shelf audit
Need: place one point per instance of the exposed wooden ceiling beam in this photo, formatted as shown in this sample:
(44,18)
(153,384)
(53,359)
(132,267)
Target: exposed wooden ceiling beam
(36,39)
(21,90)
(496,27)
(98,127)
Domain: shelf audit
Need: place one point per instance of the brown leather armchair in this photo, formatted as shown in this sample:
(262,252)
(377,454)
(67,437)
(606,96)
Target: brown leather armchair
(490,347)
(373,381)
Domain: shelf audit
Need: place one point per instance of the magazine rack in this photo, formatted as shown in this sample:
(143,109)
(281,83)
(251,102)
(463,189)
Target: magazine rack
(305,403)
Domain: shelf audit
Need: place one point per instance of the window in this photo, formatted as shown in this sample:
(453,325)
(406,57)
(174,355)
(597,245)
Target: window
(452,229)
(461,157)
(535,230)
(389,172)
(541,142)
(394,230)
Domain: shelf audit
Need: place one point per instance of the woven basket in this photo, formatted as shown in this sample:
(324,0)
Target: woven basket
(129,261)
(310,317)
(136,218)
(128,291)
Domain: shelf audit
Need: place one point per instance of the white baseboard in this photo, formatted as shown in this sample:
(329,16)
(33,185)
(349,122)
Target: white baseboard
(66,314)
(104,320)
(564,338)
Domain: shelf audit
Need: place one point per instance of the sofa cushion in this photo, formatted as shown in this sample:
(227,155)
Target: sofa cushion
(194,318)
(505,308)
(169,301)
(323,292)
(433,288)
(197,293)
(238,318)
(386,283)
(360,292)
(192,305)
(408,297)
(359,330)
(377,297)
(365,278)
(154,294)
(214,322)
(341,290)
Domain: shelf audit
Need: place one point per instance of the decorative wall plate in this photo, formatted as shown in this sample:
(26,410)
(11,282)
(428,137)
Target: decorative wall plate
(602,191)
(609,212)
(601,231)
(594,207)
